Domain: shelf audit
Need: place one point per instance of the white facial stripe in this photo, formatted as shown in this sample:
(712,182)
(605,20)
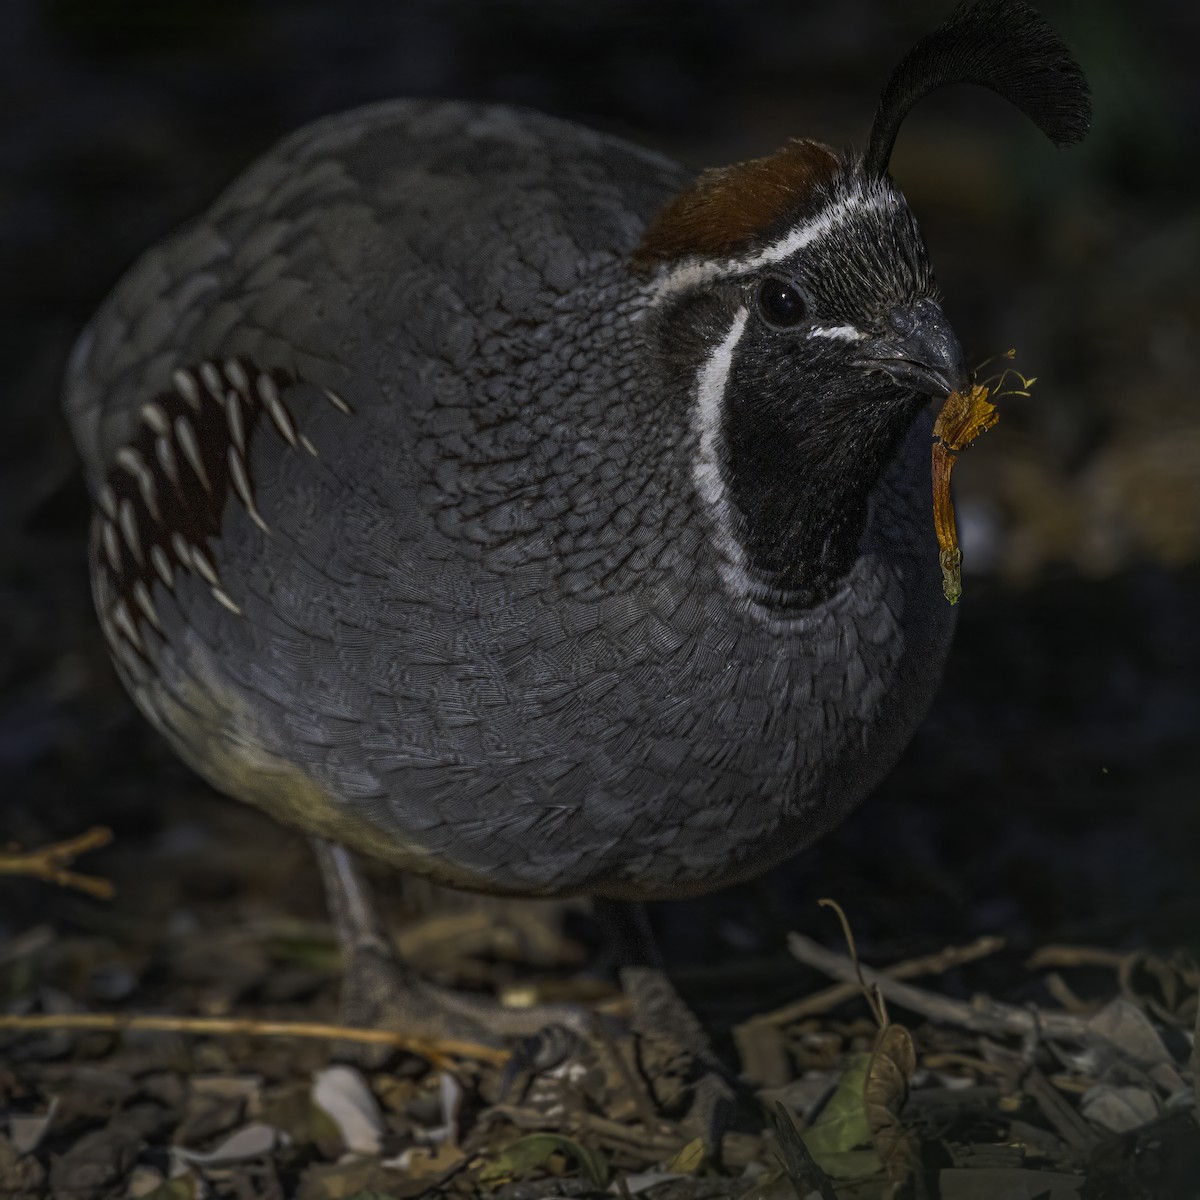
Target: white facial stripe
(692,273)
(833,214)
(711,384)
(839,333)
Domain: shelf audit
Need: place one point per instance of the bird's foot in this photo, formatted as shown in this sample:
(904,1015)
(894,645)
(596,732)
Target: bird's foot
(380,992)
(678,1060)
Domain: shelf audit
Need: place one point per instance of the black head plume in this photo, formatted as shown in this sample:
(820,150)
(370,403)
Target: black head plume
(1000,44)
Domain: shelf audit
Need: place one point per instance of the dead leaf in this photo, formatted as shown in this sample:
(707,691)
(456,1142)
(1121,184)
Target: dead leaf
(354,1177)
(885,1091)
(208,1115)
(1126,1027)
(1194,1061)
(689,1160)
(253,1141)
(763,1053)
(342,1094)
(806,1095)
(19,1174)
(642,1181)
(963,417)
(527,1155)
(182,1187)
(450,1098)
(97,1161)
(143,1181)
(26,1132)
(944,526)
(230,1086)
(850,1165)
(1118,1109)
(420,1162)
(842,1126)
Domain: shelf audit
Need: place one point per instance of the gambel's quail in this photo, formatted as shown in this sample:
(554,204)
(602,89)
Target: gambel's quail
(503,501)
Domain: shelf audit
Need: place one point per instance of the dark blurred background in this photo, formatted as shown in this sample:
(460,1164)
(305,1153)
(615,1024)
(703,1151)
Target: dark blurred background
(1054,793)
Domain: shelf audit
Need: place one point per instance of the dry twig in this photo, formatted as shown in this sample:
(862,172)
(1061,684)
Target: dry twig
(50,863)
(1194,1061)
(982,1015)
(1069,1125)
(941,1060)
(802,1169)
(928,964)
(1058,987)
(438,1052)
(1056,955)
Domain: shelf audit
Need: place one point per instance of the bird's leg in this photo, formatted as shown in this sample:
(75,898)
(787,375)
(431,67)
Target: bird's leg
(658,1009)
(380,991)
(660,1017)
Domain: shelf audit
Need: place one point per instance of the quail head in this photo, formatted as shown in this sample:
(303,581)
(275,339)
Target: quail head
(505,501)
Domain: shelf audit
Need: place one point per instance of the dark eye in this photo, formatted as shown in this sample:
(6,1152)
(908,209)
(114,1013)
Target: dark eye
(780,303)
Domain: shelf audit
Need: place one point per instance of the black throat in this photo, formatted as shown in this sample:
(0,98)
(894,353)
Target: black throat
(800,471)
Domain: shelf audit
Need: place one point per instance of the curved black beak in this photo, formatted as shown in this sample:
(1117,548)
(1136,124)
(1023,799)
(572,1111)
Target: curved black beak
(920,351)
